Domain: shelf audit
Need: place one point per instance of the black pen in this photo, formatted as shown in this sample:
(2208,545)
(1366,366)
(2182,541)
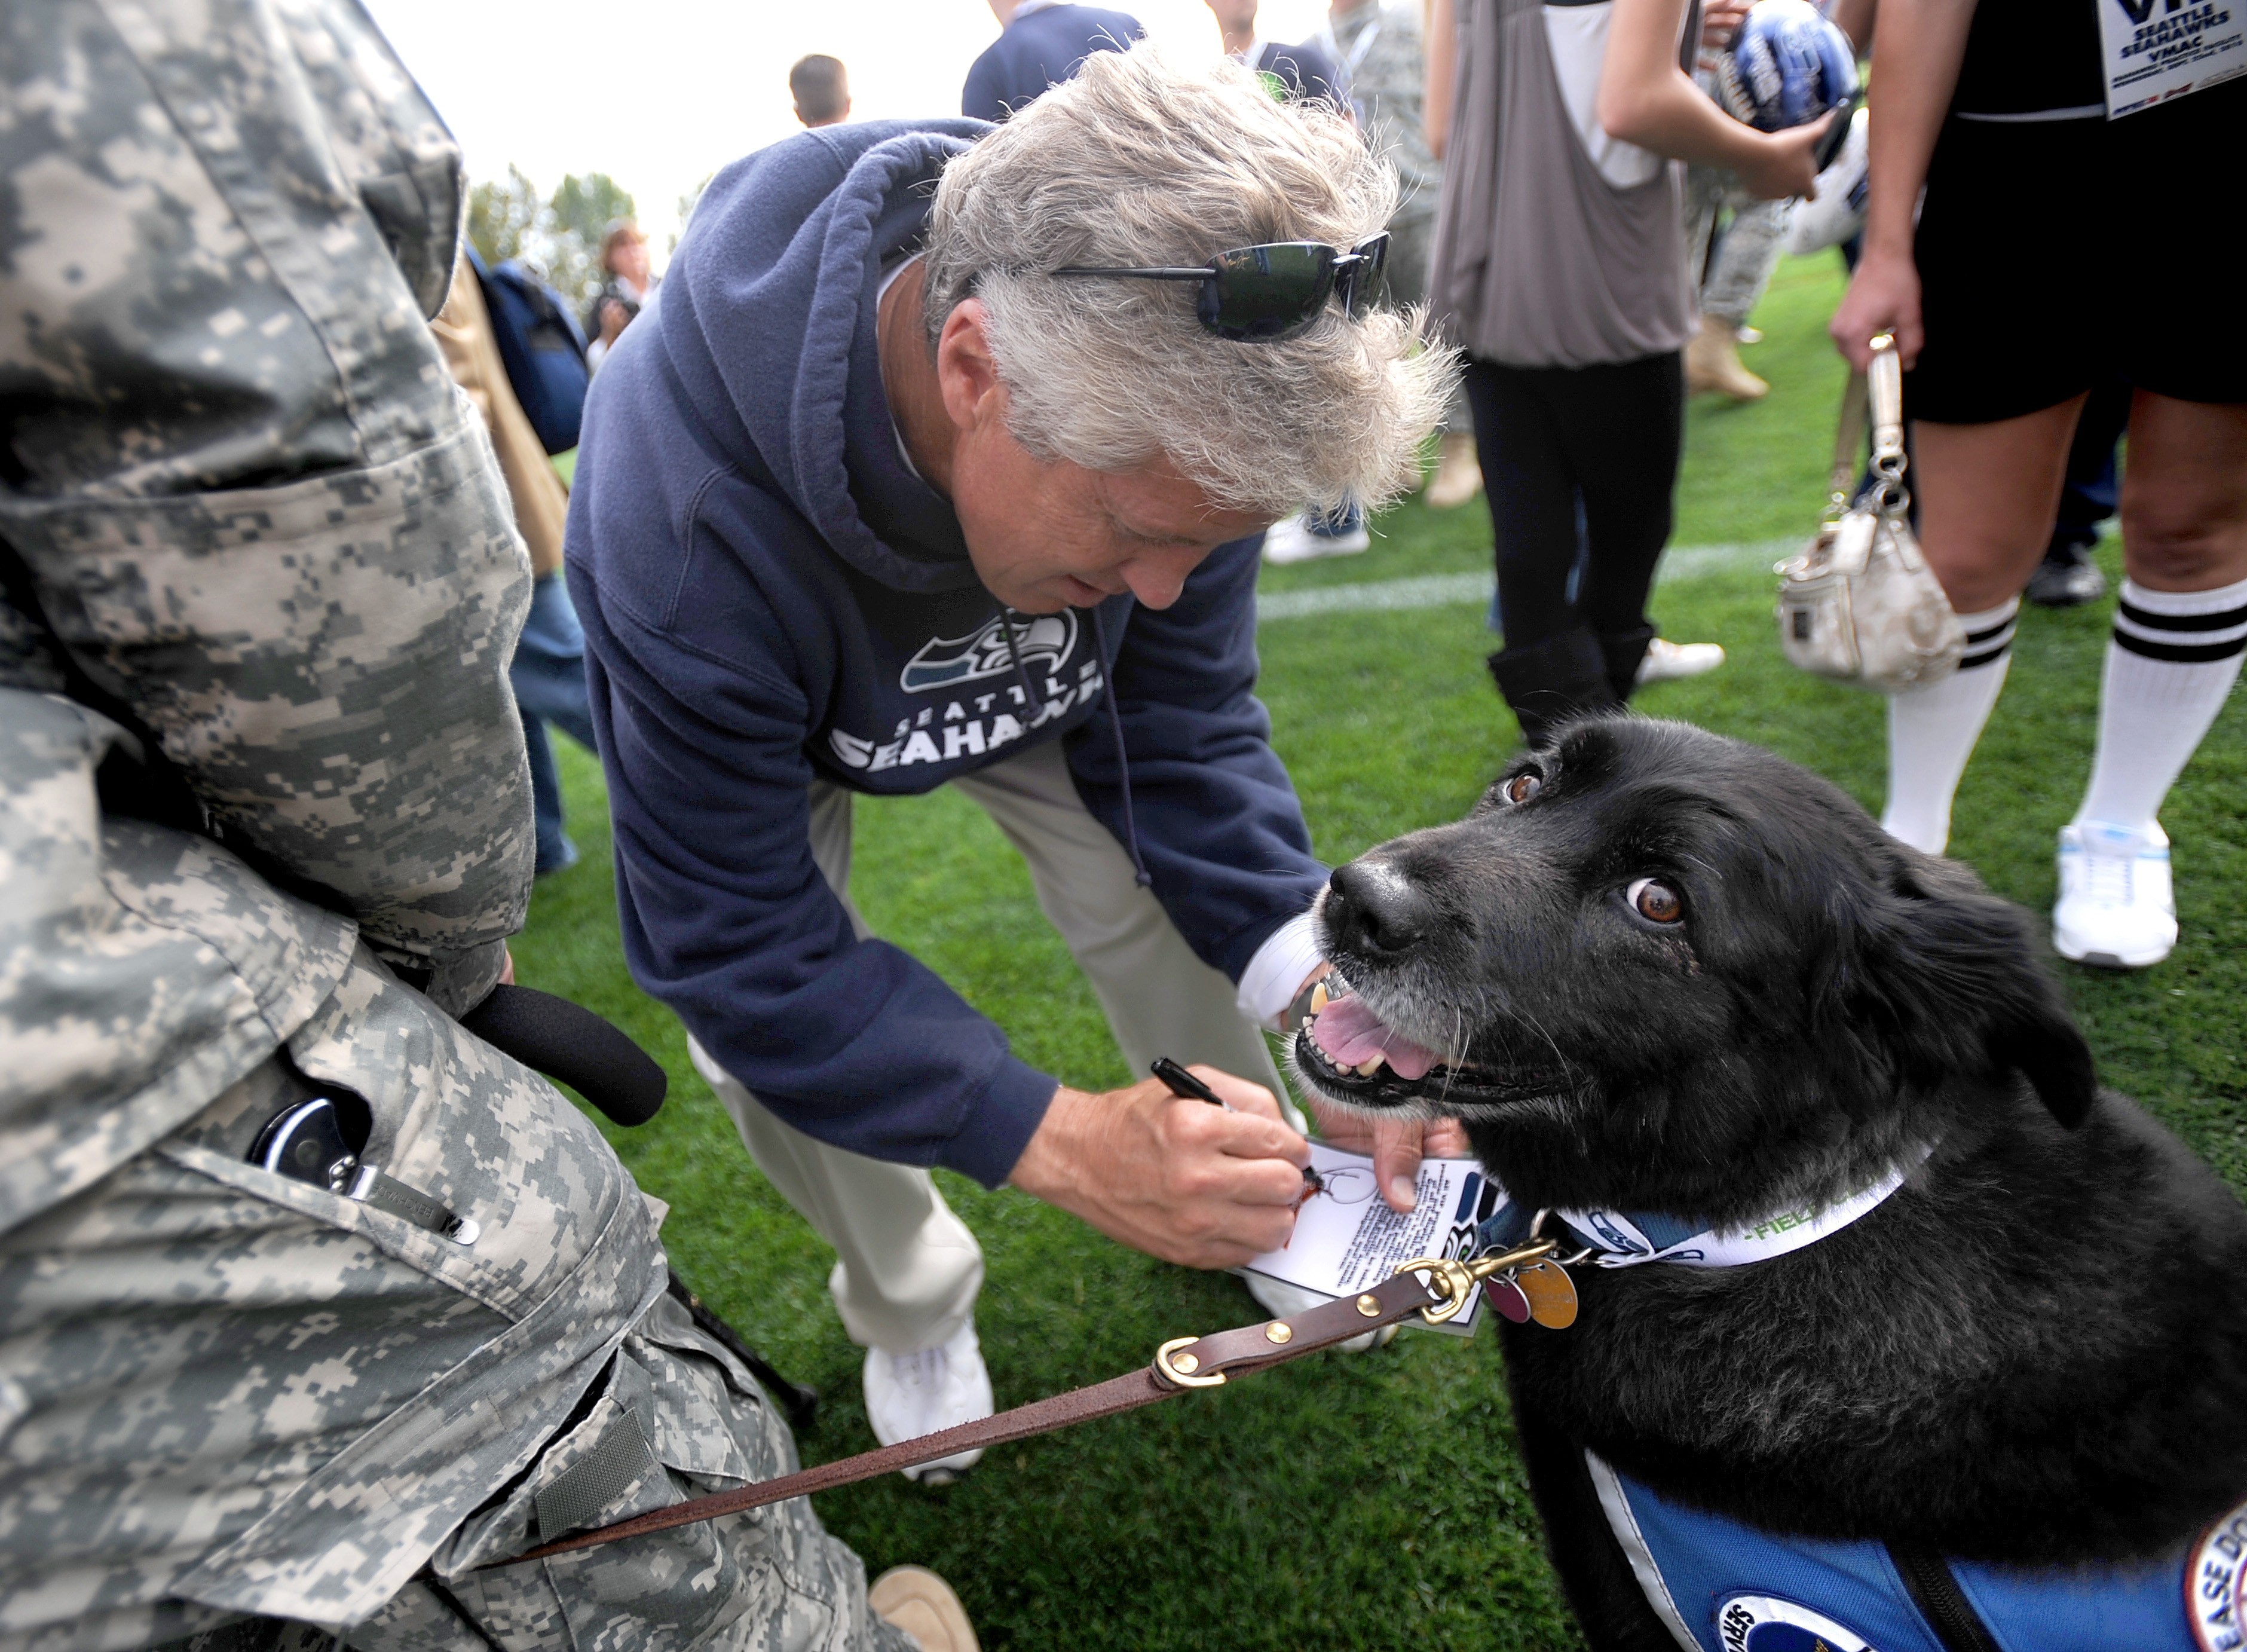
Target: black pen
(1187,1088)
(1185,1085)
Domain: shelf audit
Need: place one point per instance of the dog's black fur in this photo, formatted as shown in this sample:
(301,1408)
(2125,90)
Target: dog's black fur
(2036,1351)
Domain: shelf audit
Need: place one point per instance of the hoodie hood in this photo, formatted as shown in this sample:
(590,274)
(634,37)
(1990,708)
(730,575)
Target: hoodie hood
(767,315)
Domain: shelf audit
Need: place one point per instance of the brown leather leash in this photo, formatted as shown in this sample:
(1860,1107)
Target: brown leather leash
(1436,1289)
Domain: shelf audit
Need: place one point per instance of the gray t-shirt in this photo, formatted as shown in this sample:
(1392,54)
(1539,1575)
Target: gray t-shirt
(1542,259)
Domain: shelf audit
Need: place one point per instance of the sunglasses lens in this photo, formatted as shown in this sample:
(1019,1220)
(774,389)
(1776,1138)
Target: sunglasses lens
(1365,284)
(1269,291)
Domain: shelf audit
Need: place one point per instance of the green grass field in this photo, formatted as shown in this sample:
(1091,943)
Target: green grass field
(1371,1501)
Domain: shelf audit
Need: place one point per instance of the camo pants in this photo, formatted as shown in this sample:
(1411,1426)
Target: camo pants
(223,1382)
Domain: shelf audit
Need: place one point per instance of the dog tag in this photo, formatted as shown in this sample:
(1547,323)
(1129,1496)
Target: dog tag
(1506,1296)
(1551,1294)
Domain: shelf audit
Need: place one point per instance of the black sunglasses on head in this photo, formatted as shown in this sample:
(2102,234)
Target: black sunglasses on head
(1259,294)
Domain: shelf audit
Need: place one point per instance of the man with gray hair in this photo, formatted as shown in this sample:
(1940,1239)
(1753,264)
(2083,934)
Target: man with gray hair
(945,460)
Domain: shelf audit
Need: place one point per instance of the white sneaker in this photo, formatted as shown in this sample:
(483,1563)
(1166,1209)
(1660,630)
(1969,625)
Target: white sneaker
(2116,907)
(1666,661)
(1291,540)
(1285,1301)
(909,1395)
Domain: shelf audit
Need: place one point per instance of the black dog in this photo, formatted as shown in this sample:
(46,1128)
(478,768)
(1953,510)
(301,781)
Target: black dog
(1658,971)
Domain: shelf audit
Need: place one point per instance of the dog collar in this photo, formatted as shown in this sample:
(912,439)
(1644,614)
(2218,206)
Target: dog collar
(1617,1239)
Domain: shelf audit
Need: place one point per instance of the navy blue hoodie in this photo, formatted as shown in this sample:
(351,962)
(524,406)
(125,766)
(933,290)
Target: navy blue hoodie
(771,597)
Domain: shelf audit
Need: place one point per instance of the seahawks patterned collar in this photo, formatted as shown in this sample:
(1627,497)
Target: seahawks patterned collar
(1617,1239)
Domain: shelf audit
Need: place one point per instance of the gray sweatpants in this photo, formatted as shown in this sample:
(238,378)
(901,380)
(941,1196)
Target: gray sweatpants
(906,1269)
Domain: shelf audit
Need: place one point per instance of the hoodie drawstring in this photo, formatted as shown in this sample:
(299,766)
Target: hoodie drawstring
(1014,652)
(1141,875)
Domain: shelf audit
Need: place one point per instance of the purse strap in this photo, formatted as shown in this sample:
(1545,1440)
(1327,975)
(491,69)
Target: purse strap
(1849,446)
(1884,385)
(1877,390)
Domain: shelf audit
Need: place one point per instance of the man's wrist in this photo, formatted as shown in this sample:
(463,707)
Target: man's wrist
(1048,1167)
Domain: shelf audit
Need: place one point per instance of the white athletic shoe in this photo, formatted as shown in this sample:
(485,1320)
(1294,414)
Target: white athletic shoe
(909,1395)
(1291,540)
(1285,1301)
(1666,661)
(2116,907)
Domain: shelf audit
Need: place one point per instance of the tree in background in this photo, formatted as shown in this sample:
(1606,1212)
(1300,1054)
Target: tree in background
(560,237)
(503,217)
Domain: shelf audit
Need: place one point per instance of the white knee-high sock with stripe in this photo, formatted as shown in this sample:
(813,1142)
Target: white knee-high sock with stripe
(1932,731)
(2173,657)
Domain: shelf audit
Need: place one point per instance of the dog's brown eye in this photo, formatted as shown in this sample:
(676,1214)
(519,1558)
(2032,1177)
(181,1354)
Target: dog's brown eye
(1655,901)
(1522,788)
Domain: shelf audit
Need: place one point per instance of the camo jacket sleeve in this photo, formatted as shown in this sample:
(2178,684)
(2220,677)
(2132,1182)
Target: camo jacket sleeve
(240,503)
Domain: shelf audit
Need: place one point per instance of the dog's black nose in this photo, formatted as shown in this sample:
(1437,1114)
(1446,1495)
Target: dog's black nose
(1373,908)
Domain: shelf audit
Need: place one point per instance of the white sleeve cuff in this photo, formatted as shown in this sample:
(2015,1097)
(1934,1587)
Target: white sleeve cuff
(1276,974)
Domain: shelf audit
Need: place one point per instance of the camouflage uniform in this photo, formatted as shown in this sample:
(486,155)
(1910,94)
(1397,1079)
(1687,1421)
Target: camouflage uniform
(247,523)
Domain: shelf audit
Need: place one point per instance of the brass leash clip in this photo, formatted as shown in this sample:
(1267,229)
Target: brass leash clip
(1456,1280)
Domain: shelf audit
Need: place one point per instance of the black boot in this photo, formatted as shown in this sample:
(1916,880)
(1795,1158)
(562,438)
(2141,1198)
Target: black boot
(1622,650)
(1549,682)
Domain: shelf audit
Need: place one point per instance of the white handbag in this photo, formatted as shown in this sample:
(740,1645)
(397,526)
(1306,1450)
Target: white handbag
(1861,605)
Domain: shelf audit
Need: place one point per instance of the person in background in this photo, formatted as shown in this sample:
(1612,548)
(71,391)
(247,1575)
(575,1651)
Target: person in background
(548,673)
(630,282)
(1563,273)
(1040,43)
(958,504)
(821,89)
(2009,99)
(1302,71)
(1378,47)
(1733,260)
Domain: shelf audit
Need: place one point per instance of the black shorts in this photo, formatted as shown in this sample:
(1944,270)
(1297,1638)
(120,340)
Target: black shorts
(2053,255)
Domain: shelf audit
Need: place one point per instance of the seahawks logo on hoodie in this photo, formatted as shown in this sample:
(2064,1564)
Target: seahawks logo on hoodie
(943,662)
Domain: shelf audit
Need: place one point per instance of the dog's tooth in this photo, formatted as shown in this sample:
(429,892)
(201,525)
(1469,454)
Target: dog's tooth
(1370,1065)
(1318,997)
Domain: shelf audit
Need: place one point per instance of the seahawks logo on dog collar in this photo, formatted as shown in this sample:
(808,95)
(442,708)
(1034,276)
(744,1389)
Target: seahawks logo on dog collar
(1766,1623)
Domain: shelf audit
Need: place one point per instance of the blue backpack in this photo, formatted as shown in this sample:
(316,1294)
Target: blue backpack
(542,347)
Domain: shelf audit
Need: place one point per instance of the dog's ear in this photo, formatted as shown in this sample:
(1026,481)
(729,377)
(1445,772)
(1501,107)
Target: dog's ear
(1956,981)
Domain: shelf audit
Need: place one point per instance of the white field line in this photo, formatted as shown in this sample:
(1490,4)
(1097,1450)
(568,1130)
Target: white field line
(1443,590)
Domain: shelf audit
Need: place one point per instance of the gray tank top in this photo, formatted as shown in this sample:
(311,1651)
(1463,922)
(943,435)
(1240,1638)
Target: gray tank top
(1540,261)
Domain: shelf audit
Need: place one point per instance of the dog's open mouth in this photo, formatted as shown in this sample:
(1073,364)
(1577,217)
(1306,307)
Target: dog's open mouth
(1350,1055)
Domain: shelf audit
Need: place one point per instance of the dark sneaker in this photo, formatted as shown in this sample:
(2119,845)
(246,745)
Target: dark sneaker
(2067,579)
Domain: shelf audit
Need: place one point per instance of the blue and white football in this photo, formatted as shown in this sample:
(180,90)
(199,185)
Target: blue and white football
(1786,66)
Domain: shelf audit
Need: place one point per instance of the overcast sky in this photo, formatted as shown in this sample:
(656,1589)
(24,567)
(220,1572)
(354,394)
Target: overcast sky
(659,93)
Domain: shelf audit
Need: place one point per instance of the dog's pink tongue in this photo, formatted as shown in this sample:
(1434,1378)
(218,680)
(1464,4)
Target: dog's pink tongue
(1350,1034)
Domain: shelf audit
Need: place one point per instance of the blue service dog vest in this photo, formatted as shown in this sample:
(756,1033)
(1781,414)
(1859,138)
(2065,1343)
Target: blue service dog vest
(1722,1587)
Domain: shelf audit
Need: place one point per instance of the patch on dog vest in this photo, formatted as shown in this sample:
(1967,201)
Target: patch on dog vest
(2215,1584)
(1720,1586)
(1764,1623)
